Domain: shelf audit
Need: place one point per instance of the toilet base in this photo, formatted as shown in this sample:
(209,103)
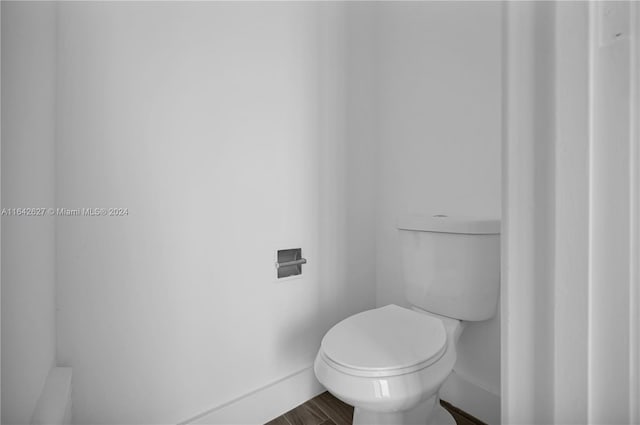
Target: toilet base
(429,412)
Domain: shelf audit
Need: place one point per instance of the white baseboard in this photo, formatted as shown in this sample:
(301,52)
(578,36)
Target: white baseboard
(260,406)
(265,403)
(54,404)
(472,398)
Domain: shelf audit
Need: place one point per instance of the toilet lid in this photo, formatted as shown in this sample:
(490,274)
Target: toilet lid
(384,340)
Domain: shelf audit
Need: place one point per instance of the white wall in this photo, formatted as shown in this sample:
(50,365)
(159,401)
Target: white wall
(28,260)
(439,106)
(361,148)
(527,236)
(221,127)
(231,130)
(611,283)
(571,231)
(635,212)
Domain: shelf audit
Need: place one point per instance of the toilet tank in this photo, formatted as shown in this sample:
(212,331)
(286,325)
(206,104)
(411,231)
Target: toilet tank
(451,265)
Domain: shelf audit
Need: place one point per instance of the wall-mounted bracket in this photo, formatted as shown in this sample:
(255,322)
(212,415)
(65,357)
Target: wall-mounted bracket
(289,262)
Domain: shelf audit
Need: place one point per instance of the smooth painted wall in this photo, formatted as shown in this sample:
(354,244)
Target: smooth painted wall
(439,124)
(613,163)
(28,256)
(221,127)
(571,213)
(229,130)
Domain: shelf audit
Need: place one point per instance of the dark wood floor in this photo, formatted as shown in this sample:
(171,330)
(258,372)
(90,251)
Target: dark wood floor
(325,409)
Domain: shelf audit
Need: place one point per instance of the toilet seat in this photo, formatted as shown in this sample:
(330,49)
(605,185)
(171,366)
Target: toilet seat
(386,341)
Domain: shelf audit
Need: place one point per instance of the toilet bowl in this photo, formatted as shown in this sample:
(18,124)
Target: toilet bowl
(389,363)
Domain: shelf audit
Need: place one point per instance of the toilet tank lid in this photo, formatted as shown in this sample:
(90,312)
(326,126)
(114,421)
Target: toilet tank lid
(443,223)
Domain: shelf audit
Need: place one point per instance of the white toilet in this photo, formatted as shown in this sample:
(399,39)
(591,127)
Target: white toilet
(390,362)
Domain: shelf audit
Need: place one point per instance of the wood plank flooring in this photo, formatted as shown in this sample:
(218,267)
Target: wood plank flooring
(325,409)
(461,417)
